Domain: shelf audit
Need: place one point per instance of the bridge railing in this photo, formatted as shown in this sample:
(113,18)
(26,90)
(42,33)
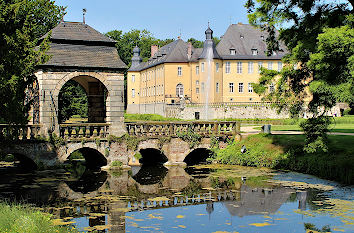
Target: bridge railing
(172,129)
(84,130)
(19,132)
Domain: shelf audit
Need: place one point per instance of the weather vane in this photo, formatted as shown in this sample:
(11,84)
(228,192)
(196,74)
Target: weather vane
(83,14)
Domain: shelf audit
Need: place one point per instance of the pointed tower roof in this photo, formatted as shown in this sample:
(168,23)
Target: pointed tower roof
(209,45)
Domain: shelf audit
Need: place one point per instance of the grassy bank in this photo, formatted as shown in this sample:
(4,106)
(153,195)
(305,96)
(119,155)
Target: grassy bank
(18,218)
(148,117)
(285,152)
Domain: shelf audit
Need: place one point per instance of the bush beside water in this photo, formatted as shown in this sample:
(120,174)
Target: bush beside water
(286,152)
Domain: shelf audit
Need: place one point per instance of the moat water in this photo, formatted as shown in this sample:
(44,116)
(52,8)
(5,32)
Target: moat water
(205,198)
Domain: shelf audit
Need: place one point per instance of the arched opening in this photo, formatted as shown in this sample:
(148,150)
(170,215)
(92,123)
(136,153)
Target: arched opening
(152,157)
(82,99)
(84,166)
(152,170)
(197,156)
(15,160)
(88,157)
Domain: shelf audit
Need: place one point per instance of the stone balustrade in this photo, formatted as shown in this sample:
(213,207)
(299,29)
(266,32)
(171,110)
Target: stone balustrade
(153,129)
(19,132)
(84,130)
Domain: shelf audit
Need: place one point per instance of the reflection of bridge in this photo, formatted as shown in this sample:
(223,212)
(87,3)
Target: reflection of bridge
(242,200)
(99,148)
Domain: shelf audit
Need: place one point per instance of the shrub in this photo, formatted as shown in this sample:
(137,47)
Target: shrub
(116,163)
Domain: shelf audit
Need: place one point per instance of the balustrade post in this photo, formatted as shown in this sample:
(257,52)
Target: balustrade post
(87,131)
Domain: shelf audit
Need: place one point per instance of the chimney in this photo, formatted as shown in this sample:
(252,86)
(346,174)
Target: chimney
(154,49)
(189,51)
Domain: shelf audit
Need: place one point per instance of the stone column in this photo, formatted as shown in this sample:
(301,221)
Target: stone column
(115,104)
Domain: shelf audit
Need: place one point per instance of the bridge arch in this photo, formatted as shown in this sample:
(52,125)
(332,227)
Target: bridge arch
(197,156)
(93,154)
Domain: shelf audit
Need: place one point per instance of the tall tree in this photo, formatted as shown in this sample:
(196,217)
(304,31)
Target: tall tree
(22,23)
(318,35)
(127,41)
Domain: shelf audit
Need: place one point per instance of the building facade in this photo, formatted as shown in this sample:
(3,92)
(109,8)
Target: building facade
(178,73)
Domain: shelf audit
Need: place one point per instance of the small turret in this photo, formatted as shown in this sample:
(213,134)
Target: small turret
(209,45)
(136,59)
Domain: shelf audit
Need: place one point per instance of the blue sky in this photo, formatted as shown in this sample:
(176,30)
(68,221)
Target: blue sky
(163,18)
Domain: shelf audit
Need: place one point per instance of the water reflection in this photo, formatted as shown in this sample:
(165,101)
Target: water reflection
(141,199)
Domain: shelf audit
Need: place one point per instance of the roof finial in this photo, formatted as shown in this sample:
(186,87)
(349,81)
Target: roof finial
(208,24)
(83,15)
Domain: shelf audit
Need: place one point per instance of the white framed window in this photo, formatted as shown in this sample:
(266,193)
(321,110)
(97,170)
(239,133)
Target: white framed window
(179,71)
(197,90)
(254,52)
(250,67)
(280,66)
(216,87)
(239,67)
(203,87)
(270,65)
(179,90)
(202,66)
(232,52)
(250,88)
(133,78)
(197,82)
(240,87)
(197,70)
(133,93)
(271,88)
(227,67)
(217,67)
(260,65)
(231,87)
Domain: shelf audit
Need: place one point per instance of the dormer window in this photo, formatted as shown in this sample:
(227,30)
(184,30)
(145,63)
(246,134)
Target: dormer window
(232,51)
(241,36)
(262,37)
(254,52)
(274,53)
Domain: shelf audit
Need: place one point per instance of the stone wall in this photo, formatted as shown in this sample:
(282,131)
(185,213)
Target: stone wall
(244,111)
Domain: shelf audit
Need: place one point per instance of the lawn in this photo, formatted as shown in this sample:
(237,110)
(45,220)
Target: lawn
(341,125)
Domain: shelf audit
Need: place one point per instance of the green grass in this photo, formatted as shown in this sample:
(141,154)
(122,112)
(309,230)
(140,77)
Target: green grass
(338,127)
(285,152)
(148,117)
(18,218)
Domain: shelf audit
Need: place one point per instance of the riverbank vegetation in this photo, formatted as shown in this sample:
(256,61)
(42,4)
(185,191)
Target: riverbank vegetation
(286,152)
(21,218)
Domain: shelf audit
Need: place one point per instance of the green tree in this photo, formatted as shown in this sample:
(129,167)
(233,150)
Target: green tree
(318,35)
(199,44)
(72,101)
(127,41)
(22,23)
(196,43)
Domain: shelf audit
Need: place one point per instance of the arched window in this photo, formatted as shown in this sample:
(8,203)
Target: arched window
(179,90)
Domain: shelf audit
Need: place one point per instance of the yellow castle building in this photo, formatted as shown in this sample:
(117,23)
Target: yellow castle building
(178,74)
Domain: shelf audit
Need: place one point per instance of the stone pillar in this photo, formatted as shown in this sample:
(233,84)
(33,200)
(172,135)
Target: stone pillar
(115,104)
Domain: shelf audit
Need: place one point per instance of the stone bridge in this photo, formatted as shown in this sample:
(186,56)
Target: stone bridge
(168,142)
